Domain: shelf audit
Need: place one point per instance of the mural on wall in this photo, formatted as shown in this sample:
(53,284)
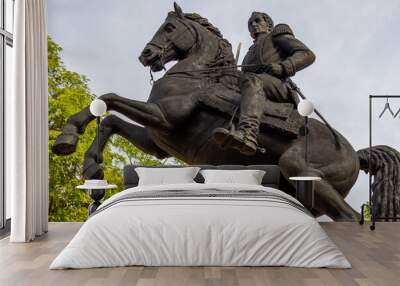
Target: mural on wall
(69,93)
(193,111)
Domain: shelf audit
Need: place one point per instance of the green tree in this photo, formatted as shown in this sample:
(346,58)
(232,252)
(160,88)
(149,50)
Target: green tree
(69,93)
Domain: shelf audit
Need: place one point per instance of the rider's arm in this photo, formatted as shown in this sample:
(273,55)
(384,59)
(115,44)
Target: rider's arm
(298,55)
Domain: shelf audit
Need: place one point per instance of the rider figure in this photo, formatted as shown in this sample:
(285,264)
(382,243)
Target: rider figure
(275,55)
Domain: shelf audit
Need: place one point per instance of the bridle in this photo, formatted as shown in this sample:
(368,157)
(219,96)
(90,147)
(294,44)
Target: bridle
(165,48)
(162,55)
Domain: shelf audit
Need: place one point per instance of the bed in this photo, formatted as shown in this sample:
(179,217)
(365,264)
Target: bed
(201,224)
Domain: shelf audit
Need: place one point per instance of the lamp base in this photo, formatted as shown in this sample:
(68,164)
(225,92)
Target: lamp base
(96,195)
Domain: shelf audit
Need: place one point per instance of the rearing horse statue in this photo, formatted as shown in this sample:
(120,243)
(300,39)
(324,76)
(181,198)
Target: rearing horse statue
(184,108)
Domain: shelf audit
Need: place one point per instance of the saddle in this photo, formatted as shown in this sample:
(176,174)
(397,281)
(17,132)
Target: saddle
(224,96)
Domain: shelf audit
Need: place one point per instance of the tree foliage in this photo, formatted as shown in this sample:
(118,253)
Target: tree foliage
(69,93)
(367,212)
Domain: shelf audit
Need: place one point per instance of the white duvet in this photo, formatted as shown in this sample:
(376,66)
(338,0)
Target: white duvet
(200,231)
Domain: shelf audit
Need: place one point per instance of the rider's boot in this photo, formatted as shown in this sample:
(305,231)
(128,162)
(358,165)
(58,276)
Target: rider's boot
(244,138)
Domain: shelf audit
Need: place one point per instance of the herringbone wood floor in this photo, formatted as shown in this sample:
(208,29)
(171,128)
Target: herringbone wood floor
(375,257)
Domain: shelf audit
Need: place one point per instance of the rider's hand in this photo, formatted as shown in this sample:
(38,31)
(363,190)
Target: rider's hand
(273,69)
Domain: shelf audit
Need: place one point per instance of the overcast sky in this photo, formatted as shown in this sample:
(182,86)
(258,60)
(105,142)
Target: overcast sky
(356,43)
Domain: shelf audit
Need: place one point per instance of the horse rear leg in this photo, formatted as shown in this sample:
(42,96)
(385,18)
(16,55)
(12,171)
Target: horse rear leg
(327,199)
(137,135)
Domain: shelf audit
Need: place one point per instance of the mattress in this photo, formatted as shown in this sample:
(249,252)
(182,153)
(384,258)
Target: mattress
(201,225)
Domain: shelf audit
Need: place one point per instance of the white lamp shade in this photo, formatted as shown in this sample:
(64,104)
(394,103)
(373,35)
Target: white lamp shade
(98,107)
(305,108)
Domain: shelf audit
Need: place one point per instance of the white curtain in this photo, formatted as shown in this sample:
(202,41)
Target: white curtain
(26,124)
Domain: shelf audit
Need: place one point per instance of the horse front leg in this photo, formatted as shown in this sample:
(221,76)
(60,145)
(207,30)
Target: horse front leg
(138,136)
(68,139)
(144,113)
(147,114)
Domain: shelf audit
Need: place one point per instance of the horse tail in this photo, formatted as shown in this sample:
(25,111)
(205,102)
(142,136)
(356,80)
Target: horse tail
(384,164)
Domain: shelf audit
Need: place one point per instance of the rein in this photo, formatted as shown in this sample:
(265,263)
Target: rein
(162,48)
(215,68)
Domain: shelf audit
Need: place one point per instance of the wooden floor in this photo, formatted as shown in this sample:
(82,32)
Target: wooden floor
(375,257)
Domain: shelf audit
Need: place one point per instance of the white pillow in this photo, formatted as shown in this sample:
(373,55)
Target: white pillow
(248,177)
(165,176)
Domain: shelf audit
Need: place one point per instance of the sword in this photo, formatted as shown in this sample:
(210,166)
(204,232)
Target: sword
(238,53)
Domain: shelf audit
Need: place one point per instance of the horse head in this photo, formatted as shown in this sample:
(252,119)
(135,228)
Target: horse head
(171,42)
(182,34)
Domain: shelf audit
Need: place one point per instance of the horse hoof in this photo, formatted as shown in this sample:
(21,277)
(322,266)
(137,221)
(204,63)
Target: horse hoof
(65,144)
(92,171)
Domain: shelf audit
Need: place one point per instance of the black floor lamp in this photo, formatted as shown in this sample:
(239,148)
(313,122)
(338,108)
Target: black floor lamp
(98,108)
(305,108)
(305,184)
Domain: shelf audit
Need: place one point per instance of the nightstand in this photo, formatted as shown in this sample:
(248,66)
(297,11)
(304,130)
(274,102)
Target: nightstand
(97,190)
(305,190)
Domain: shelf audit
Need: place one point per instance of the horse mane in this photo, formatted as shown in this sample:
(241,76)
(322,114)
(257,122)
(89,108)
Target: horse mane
(225,55)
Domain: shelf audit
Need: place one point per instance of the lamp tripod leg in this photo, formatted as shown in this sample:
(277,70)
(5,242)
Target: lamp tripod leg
(306,139)
(98,138)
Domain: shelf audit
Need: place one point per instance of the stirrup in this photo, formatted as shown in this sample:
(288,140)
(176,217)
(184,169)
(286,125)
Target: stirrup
(224,140)
(228,139)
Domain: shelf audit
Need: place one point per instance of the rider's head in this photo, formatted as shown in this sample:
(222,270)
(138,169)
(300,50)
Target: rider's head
(260,23)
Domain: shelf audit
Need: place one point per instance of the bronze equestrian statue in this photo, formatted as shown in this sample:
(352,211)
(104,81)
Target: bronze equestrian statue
(275,55)
(201,93)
